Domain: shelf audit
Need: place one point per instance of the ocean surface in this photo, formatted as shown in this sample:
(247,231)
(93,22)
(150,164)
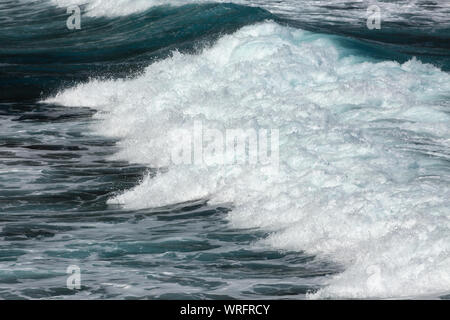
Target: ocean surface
(359,206)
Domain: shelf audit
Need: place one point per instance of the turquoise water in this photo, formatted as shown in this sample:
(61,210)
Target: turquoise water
(359,209)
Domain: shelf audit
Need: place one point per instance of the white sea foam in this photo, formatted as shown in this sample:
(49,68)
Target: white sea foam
(364,151)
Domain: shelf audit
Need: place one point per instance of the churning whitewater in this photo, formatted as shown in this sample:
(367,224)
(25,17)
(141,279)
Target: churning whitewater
(364,147)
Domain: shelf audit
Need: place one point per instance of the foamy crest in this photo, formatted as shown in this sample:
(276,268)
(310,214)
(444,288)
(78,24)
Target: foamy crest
(364,147)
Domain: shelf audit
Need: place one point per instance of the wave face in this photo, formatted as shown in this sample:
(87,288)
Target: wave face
(364,152)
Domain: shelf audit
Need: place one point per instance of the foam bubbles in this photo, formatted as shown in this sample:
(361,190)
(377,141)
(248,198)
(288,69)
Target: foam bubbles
(364,147)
